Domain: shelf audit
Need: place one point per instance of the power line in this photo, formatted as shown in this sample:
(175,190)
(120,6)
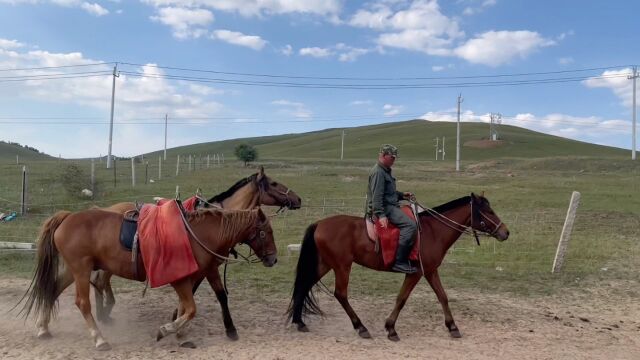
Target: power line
(55,67)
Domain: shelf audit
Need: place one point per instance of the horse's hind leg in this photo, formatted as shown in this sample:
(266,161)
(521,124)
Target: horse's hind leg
(110,299)
(65,278)
(434,280)
(98,285)
(409,283)
(83,303)
(341,290)
(188,306)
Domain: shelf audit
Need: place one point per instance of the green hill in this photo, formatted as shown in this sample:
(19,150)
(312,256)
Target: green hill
(415,139)
(8,151)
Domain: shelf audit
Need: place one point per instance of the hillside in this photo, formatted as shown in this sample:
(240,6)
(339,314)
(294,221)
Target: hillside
(8,151)
(415,139)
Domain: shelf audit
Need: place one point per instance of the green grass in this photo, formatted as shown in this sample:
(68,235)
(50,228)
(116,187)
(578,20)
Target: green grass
(529,183)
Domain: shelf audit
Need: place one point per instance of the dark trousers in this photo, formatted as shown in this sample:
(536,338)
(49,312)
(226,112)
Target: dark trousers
(407,226)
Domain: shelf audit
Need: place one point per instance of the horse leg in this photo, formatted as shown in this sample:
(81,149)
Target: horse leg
(65,278)
(98,286)
(434,280)
(410,281)
(323,269)
(84,304)
(193,291)
(213,277)
(183,289)
(111,300)
(340,292)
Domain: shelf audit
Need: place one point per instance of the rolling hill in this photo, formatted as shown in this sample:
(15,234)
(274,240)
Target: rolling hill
(415,139)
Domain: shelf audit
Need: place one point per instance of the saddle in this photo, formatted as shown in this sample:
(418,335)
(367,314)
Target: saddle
(386,239)
(129,234)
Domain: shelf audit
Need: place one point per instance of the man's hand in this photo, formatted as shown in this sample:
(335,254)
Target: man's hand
(408,196)
(384,222)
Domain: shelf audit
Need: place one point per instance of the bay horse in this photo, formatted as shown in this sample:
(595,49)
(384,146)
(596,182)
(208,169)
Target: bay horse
(247,193)
(336,242)
(71,245)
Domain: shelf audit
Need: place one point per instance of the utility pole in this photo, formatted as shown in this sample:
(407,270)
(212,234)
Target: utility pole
(437,147)
(342,147)
(460,100)
(443,152)
(165,136)
(633,128)
(113,96)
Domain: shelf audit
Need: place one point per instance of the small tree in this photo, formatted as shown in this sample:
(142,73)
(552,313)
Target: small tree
(246,153)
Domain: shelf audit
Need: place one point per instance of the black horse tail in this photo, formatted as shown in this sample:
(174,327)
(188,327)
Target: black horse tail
(303,301)
(43,291)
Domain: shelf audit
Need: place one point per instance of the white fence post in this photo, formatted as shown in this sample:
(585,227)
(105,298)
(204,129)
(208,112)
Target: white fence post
(566,232)
(159,167)
(93,176)
(133,172)
(178,166)
(23,197)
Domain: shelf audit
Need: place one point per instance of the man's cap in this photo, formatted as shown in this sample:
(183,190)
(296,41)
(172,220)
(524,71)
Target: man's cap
(388,149)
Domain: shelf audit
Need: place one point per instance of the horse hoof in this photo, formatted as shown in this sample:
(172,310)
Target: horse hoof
(364,333)
(303,328)
(188,345)
(44,335)
(104,346)
(232,335)
(393,337)
(455,334)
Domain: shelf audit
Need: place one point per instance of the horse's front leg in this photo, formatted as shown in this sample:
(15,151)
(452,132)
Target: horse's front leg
(434,280)
(213,277)
(188,308)
(409,283)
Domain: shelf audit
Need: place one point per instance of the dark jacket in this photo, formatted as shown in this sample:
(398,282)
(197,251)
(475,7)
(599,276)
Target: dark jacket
(381,191)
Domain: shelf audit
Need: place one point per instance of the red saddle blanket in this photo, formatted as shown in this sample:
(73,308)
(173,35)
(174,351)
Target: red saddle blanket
(389,238)
(188,205)
(164,244)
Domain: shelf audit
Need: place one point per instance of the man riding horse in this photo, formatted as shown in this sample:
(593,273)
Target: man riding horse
(382,205)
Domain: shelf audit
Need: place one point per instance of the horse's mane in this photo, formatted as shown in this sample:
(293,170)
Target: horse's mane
(232,190)
(448,206)
(232,222)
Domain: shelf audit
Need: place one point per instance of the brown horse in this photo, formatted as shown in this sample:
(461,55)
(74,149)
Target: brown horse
(71,245)
(247,193)
(335,243)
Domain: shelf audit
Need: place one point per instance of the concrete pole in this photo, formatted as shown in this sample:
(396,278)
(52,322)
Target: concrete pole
(113,96)
(458,135)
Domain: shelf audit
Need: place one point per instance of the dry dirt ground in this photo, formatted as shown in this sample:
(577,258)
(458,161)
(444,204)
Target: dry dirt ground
(586,324)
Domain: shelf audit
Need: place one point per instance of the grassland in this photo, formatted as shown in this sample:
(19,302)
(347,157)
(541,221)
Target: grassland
(528,181)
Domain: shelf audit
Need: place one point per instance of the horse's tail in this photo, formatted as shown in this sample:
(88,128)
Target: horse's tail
(43,289)
(303,301)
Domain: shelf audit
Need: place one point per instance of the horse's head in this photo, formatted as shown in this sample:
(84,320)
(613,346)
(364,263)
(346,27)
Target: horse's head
(261,239)
(484,219)
(276,194)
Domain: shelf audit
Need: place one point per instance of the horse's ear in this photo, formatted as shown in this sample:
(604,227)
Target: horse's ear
(261,172)
(474,197)
(482,193)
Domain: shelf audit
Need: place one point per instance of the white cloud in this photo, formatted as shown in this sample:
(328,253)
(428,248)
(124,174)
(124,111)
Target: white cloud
(94,9)
(237,38)
(495,48)
(137,97)
(10,44)
(259,7)
(186,23)
(565,60)
(292,108)
(361,102)
(391,110)
(563,35)
(316,52)
(287,50)
(616,81)
(408,28)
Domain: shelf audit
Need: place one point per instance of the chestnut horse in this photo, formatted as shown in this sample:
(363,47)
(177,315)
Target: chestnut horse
(336,242)
(71,245)
(247,193)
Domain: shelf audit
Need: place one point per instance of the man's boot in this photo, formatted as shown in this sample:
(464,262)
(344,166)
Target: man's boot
(402,263)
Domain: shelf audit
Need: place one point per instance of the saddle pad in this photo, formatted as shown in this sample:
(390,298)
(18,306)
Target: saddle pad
(164,244)
(389,238)
(188,205)
(127,232)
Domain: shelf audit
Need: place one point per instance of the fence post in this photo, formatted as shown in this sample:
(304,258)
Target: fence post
(115,178)
(223,158)
(566,232)
(189,162)
(146,171)
(93,175)
(17,160)
(159,167)
(23,197)
(178,166)
(133,172)
(208,160)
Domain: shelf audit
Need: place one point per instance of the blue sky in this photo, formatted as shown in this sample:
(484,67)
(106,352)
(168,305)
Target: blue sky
(447,42)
